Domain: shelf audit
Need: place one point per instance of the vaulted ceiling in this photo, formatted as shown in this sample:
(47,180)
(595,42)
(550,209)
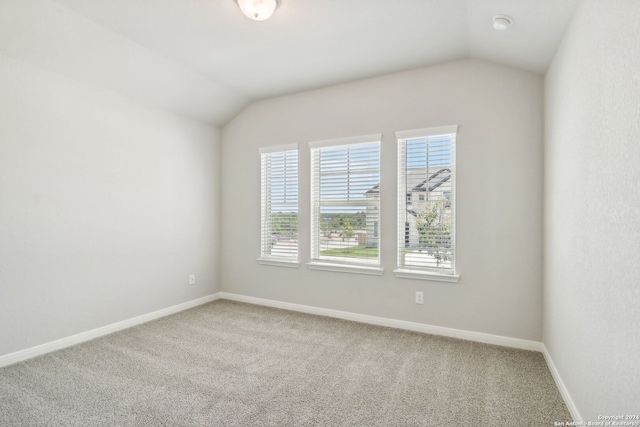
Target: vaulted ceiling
(204,59)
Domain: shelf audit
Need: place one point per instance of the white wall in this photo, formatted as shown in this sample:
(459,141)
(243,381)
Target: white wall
(499,151)
(106,207)
(592,215)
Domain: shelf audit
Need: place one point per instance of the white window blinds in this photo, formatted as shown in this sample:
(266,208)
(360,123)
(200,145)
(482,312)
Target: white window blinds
(345,200)
(279,203)
(426,199)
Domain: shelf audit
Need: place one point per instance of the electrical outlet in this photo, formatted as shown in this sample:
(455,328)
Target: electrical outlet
(419,297)
(192,279)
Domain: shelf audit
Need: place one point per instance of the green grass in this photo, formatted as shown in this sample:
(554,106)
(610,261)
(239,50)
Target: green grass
(352,252)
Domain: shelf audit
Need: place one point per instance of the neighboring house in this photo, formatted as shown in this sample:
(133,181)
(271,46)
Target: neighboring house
(372,218)
(436,186)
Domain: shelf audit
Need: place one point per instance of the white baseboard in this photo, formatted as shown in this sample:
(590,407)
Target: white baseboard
(392,323)
(564,392)
(19,356)
(29,353)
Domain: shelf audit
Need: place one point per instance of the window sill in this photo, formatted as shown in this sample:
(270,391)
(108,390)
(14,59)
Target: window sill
(278,262)
(425,275)
(343,268)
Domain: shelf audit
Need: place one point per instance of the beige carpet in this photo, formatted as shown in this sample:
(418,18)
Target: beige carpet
(234,364)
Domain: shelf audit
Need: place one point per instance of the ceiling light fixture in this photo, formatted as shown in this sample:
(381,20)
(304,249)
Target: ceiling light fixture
(502,22)
(258,10)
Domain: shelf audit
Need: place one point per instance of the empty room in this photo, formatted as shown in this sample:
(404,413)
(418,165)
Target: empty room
(319,212)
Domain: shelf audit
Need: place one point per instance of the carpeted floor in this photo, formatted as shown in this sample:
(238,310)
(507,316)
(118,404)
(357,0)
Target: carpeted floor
(233,364)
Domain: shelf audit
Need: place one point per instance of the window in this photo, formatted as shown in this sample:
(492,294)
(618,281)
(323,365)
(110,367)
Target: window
(279,206)
(345,200)
(426,227)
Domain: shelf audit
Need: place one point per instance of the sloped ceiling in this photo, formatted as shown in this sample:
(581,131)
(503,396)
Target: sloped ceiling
(205,60)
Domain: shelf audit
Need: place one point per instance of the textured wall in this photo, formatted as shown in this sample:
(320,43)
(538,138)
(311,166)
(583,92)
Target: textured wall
(592,218)
(499,182)
(106,207)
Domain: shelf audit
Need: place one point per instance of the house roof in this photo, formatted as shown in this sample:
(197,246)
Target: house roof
(374,190)
(434,181)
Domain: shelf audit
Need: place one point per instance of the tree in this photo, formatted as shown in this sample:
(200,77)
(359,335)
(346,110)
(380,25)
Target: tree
(325,227)
(434,230)
(284,222)
(347,229)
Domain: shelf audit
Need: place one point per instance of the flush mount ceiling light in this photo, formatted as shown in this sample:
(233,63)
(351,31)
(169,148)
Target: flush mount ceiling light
(258,10)
(502,22)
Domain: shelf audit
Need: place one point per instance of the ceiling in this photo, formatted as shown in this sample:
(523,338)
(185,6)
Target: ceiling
(205,60)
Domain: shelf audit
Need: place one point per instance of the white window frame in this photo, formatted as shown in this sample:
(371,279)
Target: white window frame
(266,258)
(337,266)
(414,272)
